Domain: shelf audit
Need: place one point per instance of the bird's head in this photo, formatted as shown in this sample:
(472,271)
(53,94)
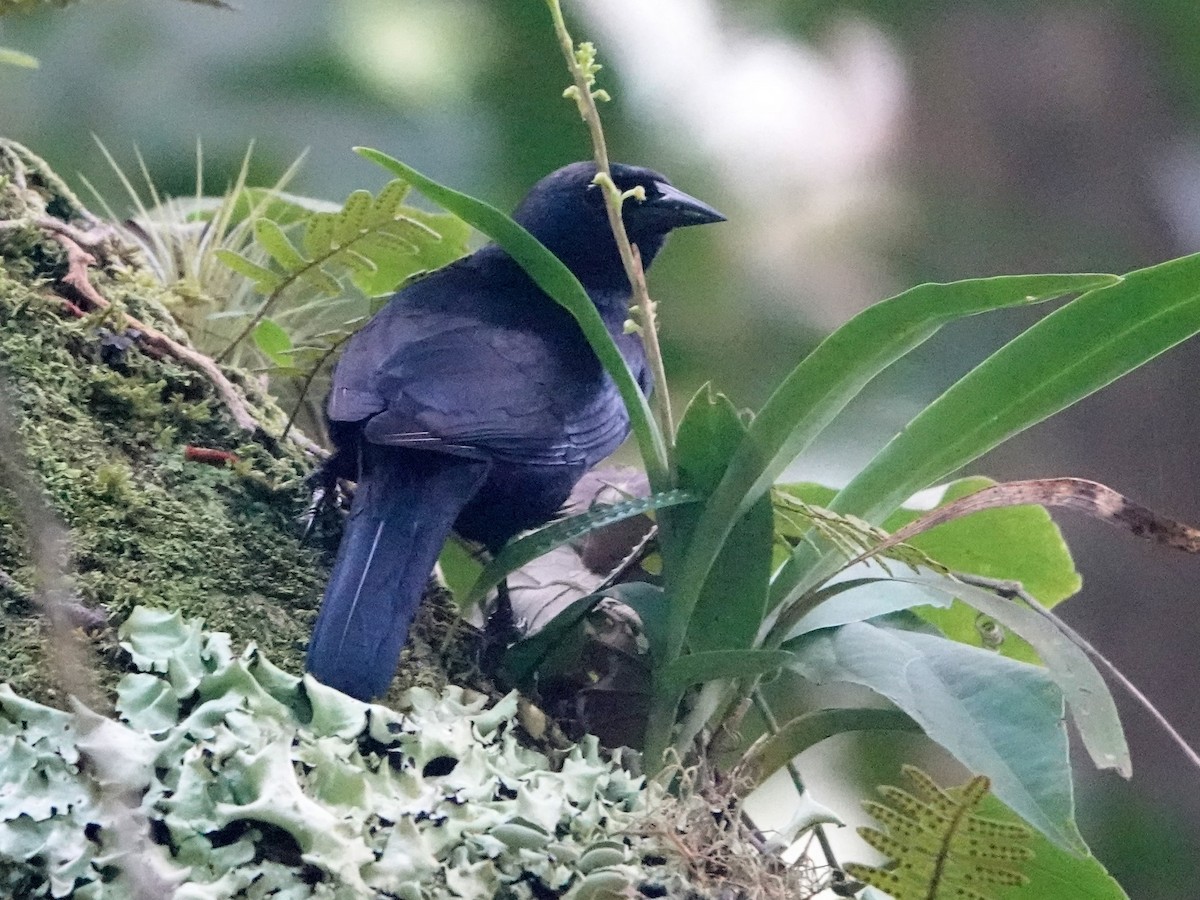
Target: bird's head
(565,211)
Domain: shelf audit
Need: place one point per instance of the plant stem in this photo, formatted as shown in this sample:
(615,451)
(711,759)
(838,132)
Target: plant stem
(630,258)
(760,703)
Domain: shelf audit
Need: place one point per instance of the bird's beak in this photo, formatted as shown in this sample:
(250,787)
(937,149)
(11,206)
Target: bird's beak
(672,208)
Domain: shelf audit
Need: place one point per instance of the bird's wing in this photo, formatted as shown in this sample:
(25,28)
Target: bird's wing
(453,379)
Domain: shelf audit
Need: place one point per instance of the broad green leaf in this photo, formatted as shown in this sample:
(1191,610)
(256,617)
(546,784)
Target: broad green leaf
(353,218)
(1068,355)
(829,378)
(1087,695)
(772,752)
(553,277)
(1019,543)
(264,279)
(529,547)
(856,599)
(272,239)
(719,665)
(1015,544)
(1000,718)
(1055,874)
(273,341)
(732,604)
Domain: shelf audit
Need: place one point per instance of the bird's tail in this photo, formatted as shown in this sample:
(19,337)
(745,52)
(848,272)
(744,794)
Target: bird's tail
(403,510)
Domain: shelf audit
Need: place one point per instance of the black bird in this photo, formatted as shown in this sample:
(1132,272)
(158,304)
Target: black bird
(473,402)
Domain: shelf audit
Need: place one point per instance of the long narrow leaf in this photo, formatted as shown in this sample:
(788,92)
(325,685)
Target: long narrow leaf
(553,277)
(1068,355)
(828,379)
(716,665)
(772,752)
(528,548)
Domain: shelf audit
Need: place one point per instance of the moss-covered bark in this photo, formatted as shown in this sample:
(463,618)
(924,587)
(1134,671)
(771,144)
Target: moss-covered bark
(105,429)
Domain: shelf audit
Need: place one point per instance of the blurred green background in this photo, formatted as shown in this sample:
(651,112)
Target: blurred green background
(857,148)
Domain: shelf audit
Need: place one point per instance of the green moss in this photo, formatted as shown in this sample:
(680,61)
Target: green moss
(105,431)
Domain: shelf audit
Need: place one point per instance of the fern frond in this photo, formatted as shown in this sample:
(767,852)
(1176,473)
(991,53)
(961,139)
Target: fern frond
(939,848)
(797,521)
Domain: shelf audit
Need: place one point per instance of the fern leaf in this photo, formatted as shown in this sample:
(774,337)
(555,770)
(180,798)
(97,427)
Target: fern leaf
(318,234)
(274,342)
(357,263)
(265,280)
(352,220)
(385,241)
(321,281)
(939,847)
(387,203)
(272,239)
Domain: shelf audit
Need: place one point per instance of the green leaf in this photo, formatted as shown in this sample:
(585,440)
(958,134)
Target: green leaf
(1091,704)
(387,202)
(318,234)
(321,281)
(718,665)
(830,377)
(353,218)
(553,277)
(560,635)
(273,341)
(1014,544)
(272,239)
(999,717)
(1019,543)
(11,57)
(733,602)
(460,570)
(264,279)
(1054,873)
(1068,355)
(772,752)
(528,548)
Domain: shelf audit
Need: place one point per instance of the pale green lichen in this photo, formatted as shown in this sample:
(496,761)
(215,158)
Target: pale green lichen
(255,783)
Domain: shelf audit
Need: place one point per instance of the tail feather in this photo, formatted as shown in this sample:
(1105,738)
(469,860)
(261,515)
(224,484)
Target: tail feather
(403,510)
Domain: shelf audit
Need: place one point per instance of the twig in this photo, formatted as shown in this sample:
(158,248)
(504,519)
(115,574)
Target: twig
(74,240)
(797,781)
(1014,590)
(78,261)
(585,99)
(308,380)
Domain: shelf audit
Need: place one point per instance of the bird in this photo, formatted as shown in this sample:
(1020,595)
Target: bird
(472,402)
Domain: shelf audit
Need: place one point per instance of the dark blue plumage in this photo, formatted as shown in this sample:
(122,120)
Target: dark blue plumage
(472,402)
